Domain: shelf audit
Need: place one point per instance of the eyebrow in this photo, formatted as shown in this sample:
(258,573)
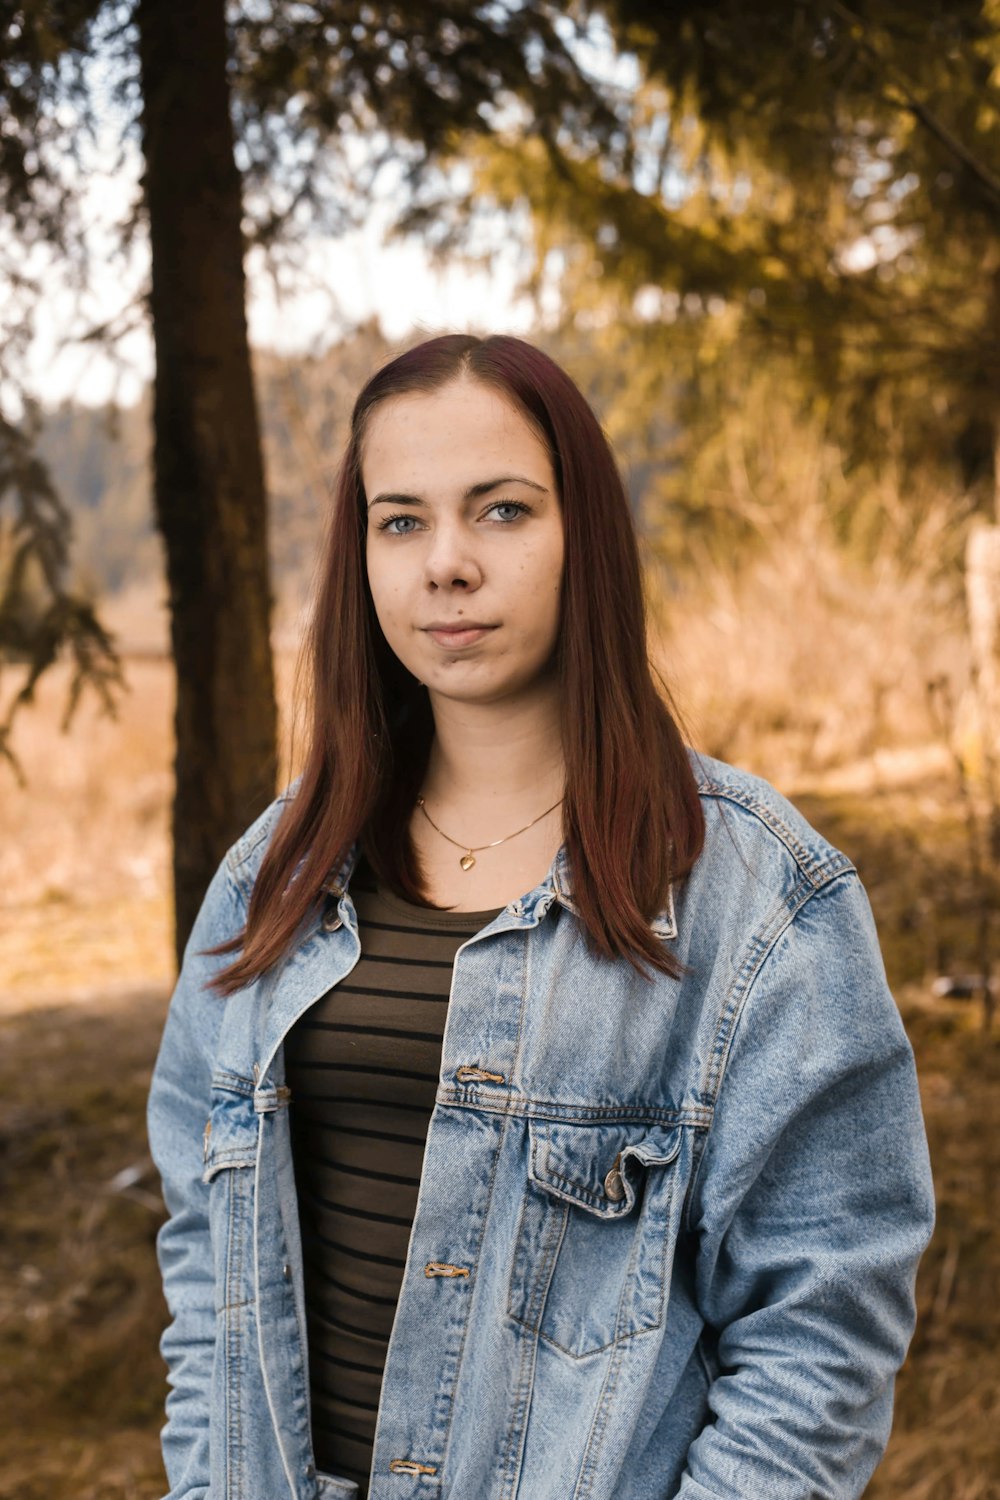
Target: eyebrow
(474,492)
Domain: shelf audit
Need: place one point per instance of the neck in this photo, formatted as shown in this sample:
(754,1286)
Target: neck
(497,756)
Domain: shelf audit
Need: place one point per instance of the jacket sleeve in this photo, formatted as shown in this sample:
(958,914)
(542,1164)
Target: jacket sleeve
(178,1110)
(811,1208)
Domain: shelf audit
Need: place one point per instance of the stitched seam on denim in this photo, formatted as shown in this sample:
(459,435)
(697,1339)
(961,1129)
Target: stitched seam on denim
(218,1163)
(241,878)
(446,1437)
(245,845)
(234,1437)
(732,1015)
(629,1289)
(222,1331)
(556,1219)
(513,1262)
(816,869)
(624,1337)
(240,1194)
(512,1454)
(599,1426)
(664,1241)
(699,1117)
(635,1333)
(586,1196)
(725,1032)
(302,1371)
(232,1083)
(518,1427)
(278,1428)
(272,979)
(589,1196)
(761,947)
(254,1247)
(602,1418)
(587,1199)
(236,866)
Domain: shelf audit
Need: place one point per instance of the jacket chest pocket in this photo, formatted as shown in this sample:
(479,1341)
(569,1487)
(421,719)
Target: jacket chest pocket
(596,1230)
(230,1157)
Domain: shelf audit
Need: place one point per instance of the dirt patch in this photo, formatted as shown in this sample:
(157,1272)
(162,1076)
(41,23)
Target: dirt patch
(81,1380)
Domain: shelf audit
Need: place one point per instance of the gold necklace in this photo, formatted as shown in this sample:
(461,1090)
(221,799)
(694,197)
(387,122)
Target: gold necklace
(471,850)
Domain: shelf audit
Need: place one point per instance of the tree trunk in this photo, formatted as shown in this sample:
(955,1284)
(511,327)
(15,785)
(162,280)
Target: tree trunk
(208,470)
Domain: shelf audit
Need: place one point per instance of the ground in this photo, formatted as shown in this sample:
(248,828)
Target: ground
(85,945)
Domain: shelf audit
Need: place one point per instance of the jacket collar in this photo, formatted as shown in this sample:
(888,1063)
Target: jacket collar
(557,885)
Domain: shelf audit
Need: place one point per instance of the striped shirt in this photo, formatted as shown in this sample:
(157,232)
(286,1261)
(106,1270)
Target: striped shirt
(362,1065)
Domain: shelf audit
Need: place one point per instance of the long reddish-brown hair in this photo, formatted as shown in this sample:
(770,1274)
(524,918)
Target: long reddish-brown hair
(632,819)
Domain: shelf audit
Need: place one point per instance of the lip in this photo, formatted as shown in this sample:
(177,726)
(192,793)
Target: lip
(457,633)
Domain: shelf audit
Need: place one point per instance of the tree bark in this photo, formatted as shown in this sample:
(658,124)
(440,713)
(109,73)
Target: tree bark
(208,470)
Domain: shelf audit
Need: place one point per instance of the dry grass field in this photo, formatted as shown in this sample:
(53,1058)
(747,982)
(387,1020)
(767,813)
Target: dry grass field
(85,971)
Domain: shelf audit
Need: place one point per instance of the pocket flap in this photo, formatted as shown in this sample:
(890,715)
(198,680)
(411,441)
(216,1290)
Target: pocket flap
(231,1131)
(576,1161)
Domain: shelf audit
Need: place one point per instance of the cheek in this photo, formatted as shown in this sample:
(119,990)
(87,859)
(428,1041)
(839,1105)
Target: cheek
(543,577)
(390,617)
(384,586)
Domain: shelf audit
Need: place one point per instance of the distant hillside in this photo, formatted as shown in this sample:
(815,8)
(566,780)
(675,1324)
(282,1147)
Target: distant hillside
(100,462)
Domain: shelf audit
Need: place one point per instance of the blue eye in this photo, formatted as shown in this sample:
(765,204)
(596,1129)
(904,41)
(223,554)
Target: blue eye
(517,506)
(389,524)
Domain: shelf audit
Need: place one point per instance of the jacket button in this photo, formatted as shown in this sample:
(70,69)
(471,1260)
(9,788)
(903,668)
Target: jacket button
(331,919)
(286,1271)
(613,1185)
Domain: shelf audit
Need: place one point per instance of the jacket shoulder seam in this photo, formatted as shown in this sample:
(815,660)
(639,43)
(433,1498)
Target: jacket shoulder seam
(756,962)
(817,870)
(240,856)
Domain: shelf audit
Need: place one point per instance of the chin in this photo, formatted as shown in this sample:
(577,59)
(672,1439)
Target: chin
(485,693)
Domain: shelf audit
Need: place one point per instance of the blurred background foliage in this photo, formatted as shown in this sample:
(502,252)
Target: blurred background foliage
(764,239)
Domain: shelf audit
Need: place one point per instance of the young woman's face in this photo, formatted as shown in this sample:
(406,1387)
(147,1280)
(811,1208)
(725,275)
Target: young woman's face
(465,541)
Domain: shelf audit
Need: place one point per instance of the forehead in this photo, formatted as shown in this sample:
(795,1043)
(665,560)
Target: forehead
(459,427)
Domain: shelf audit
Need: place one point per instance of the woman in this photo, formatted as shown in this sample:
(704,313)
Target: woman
(561,1057)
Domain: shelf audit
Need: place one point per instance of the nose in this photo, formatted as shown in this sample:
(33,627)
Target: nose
(450,560)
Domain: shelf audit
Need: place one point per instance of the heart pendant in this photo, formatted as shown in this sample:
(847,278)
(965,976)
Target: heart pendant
(467,860)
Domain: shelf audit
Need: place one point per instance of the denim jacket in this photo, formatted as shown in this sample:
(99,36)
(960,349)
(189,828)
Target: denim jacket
(683,1217)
